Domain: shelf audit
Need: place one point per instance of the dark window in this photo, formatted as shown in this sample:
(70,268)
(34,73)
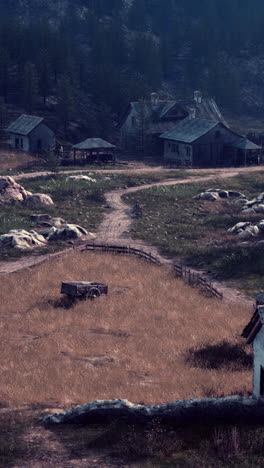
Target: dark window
(17,143)
(39,145)
(217,134)
(21,143)
(188,150)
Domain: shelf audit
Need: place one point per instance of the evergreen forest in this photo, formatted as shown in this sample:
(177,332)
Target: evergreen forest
(114,51)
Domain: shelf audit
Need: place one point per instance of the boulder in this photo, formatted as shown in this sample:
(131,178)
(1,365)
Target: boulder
(261,225)
(36,200)
(259,245)
(246,234)
(78,178)
(11,192)
(22,240)
(210,196)
(239,226)
(223,194)
(69,231)
(248,211)
(259,208)
(234,194)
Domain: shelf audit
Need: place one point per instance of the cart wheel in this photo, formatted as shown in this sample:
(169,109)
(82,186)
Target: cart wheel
(93,293)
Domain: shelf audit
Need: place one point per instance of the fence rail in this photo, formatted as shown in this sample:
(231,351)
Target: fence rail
(123,250)
(194,279)
(189,276)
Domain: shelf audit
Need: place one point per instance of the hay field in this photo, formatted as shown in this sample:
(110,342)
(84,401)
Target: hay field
(134,343)
(13,160)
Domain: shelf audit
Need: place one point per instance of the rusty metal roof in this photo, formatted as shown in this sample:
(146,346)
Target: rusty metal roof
(24,124)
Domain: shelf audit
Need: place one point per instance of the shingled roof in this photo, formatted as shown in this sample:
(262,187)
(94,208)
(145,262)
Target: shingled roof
(189,130)
(93,143)
(24,124)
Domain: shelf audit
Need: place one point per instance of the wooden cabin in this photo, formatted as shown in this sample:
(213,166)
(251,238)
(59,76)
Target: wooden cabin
(200,142)
(29,133)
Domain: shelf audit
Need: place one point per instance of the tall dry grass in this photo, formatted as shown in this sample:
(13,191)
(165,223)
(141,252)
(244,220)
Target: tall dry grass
(14,159)
(134,343)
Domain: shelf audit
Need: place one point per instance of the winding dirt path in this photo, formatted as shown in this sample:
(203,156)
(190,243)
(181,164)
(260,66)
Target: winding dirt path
(116,226)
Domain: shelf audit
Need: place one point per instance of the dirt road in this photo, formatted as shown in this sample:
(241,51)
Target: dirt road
(141,169)
(116,226)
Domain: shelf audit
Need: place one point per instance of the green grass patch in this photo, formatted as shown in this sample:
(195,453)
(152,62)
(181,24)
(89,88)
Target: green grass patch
(196,231)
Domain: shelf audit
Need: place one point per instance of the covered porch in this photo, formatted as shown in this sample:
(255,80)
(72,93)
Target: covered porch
(94,150)
(243,152)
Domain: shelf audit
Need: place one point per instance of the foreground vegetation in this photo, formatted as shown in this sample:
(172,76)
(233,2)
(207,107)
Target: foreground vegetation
(23,440)
(196,231)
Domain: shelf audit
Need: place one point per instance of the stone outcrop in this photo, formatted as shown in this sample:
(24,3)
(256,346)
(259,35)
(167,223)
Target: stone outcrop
(11,192)
(69,231)
(22,240)
(230,409)
(246,230)
(37,200)
(81,178)
(256,205)
(219,194)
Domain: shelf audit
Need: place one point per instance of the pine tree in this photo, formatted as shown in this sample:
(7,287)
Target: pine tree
(4,73)
(66,101)
(30,87)
(44,72)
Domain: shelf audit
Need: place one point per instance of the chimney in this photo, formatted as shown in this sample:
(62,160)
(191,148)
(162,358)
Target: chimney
(192,113)
(198,96)
(154,99)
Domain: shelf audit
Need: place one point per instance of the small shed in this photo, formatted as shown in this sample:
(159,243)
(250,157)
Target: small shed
(254,334)
(29,133)
(94,150)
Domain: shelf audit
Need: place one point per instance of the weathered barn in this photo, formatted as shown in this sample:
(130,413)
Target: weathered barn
(156,116)
(199,142)
(254,334)
(29,133)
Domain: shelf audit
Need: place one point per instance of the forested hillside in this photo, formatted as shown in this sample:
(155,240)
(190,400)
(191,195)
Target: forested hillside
(109,52)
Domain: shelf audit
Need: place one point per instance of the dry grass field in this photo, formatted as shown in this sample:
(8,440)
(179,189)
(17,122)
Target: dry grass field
(153,339)
(14,159)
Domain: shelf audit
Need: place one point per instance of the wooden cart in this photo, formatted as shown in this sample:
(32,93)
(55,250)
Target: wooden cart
(83,289)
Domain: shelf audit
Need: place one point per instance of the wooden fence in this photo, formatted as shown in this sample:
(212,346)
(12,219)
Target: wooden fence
(194,279)
(123,250)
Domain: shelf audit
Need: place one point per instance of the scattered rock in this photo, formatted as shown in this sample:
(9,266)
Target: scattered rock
(11,191)
(216,194)
(69,231)
(22,240)
(37,200)
(78,178)
(239,226)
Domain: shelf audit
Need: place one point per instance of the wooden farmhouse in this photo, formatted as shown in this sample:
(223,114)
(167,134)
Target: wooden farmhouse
(254,334)
(200,142)
(29,133)
(154,117)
